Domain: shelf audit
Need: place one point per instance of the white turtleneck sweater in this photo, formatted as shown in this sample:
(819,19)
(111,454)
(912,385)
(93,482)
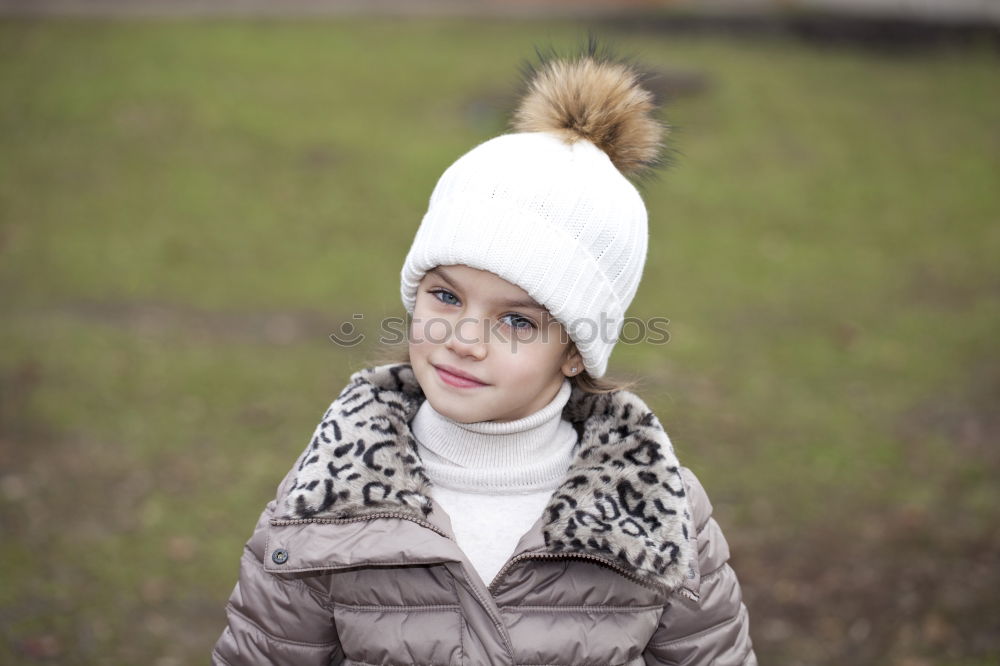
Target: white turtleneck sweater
(494,478)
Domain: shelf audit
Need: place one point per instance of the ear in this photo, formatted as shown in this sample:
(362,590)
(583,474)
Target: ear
(573,360)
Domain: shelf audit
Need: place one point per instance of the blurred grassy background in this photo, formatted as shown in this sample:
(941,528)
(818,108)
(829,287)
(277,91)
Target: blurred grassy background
(189,208)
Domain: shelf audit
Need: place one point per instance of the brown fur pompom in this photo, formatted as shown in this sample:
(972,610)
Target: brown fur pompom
(597,97)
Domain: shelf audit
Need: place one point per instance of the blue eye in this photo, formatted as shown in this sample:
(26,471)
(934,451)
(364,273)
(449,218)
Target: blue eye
(443,292)
(527,323)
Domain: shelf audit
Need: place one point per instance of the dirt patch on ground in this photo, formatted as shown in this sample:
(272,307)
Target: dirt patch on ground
(896,587)
(63,495)
(887,580)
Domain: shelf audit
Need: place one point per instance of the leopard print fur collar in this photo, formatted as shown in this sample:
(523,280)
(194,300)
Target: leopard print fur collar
(622,499)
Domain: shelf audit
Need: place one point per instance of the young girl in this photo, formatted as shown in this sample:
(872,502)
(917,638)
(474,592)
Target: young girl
(492,500)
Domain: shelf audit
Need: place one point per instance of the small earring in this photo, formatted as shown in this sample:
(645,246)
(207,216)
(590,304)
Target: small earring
(573,369)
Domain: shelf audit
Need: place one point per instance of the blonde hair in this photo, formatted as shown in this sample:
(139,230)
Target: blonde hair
(583,381)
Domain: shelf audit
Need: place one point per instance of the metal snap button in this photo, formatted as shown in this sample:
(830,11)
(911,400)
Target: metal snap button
(279,556)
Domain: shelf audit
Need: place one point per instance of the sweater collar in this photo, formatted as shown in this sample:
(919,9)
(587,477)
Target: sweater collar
(622,498)
(527,454)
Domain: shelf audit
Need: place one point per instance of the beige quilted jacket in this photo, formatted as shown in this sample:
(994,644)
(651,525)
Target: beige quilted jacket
(354,562)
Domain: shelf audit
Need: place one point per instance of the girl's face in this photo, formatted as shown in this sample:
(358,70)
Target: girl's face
(471,321)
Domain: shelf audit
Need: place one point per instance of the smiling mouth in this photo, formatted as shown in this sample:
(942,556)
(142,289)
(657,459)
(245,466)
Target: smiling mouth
(457,381)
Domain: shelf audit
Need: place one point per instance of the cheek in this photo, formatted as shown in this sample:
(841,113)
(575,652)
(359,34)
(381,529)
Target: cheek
(535,357)
(554,343)
(427,329)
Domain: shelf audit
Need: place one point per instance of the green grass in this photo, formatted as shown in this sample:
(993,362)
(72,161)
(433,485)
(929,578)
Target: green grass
(825,249)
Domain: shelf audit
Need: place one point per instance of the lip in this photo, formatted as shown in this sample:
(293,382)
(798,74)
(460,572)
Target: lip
(457,378)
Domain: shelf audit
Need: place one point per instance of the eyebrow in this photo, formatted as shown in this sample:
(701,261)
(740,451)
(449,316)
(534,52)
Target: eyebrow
(511,303)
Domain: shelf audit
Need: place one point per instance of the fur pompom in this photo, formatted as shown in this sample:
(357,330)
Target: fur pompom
(596,97)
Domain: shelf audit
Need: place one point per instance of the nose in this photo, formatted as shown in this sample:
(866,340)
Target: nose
(467,338)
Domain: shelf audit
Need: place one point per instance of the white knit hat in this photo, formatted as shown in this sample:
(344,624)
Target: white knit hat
(547,208)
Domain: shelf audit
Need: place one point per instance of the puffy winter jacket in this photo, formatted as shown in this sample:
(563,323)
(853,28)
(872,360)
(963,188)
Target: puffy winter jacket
(354,562)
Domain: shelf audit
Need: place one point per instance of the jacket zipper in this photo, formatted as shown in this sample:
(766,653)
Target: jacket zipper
(497,621)
(301,521)
(624,572)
